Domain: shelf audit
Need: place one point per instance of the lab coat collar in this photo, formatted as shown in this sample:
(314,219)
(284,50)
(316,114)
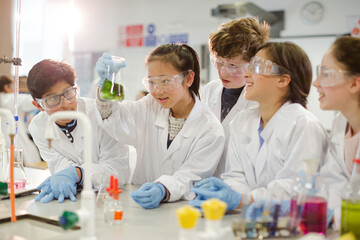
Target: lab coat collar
(162,119)
(214,99)
(338,136)
(162,122)
(195,113)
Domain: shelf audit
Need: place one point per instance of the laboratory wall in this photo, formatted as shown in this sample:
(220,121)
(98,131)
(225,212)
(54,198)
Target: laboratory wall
(103,21)
(6,48)
(80,34)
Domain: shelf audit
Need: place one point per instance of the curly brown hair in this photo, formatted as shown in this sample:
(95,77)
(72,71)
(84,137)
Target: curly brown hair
(242,36)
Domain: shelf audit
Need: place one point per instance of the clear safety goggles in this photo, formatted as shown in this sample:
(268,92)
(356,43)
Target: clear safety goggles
(328,77)
(231,68)
(259,65)
(164,83)
(55,101)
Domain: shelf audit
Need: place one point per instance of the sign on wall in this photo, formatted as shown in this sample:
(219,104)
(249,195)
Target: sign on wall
(140,36)
(353,23)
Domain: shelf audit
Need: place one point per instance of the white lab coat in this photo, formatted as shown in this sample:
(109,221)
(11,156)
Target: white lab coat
(211,96)
(334,171)
(193,154)
(291,135)
(108,156)
(22,140)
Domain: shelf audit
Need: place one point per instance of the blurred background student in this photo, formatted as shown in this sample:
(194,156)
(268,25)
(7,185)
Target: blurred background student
(25,110)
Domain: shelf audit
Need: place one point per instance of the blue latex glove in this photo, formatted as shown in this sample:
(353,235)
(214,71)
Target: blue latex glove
(215,188)
(149,195)
(330,214)
(105,66)
(59,186)
(255,210)
(45,189)
(64,183)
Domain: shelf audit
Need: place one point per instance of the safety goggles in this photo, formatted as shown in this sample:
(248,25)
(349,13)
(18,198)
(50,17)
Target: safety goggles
(329,77)
(259,65)
(164,83)
(230,68)
(55,101)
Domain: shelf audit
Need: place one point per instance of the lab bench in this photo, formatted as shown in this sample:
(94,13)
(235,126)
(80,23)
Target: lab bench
(138,223)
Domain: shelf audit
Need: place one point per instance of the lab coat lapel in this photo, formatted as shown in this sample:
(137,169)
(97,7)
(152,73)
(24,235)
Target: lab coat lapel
(186,130)
(252,147)
(62,143)
(215,101)
(78,135)
(162,122)
(68,149)
(262,160)
(338,143)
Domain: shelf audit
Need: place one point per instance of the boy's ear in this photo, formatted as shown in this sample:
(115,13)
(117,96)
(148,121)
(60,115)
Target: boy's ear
(284,81)
(37,105)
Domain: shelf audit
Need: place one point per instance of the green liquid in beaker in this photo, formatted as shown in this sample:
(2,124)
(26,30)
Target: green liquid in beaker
(350,216)
(112,92)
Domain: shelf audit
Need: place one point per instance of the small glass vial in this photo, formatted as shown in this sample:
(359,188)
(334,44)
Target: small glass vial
(113,211)
(113,208)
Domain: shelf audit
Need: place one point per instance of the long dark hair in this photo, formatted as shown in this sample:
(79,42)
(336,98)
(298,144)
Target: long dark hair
(295,60)
(182,57)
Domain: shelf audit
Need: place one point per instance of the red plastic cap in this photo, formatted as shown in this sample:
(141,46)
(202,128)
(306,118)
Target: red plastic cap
(356,160)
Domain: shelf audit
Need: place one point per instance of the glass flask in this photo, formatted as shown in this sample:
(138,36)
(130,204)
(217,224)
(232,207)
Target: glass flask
(113,86)
(308,208)
(20,179)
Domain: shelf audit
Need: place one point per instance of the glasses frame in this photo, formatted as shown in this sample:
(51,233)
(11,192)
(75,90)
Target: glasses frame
(230,68)
(41,101)
(335,75)
(179,78)
(274,68)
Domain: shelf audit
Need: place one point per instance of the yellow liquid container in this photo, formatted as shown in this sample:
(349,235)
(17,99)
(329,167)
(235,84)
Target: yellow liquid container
(350,217)
(350,206)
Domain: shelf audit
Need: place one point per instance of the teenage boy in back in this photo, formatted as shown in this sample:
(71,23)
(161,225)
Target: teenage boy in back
(231,48)
(53,88)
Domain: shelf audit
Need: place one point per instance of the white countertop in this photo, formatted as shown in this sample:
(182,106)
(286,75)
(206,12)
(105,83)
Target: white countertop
(138,223)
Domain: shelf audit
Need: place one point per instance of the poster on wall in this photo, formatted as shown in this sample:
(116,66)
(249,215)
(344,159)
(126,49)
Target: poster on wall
(142,35)
(353,23)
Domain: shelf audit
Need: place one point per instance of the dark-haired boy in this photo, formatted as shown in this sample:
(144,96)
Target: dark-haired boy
(53,88)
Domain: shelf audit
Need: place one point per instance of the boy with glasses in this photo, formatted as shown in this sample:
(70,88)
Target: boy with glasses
(52,86)
(231,48)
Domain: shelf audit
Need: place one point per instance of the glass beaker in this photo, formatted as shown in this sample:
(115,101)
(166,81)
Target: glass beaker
(20,179)
(102,194)
(113,86)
